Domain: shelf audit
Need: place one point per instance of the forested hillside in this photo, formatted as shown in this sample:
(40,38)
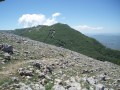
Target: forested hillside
(69,38)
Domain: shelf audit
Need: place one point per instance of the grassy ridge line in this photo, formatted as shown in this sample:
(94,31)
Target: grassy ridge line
(71,39)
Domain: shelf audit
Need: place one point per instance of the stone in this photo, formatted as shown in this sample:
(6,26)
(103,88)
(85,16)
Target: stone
(43,81)
(31,69)
(41,76)
(28,73)
(38,87)
(102,77)
(48,77)
(100,87)
(75,86)
(50,70)
(15,79)
(72,79)
(16,85)
(28,77)
(118,80)
(7,56)
(24,72)
(58,87)
(57,81)
(7,48)
(26,52)
(24,87)
(85,71)
(3,62)
(37,71)
(91,80)
(19,41)
(38,65)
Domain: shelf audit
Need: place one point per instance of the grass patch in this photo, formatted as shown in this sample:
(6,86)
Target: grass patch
(5,80)
(49,85)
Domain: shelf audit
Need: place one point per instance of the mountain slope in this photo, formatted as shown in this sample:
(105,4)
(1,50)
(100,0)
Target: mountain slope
(38,66)
(71,39)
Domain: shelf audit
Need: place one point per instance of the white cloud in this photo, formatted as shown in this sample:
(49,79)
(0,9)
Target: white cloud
(56,14)
(85,27)
(50,21)
(88,29)
(29,20)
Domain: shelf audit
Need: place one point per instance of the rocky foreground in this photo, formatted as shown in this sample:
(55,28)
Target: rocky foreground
(31,65)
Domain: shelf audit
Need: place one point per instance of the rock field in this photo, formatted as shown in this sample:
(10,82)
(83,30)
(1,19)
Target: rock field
(31,65)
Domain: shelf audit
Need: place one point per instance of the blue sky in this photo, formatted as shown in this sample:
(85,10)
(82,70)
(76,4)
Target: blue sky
(87,16)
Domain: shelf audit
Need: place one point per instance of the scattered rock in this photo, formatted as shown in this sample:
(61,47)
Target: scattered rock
(91,80)
(7,56)
(24,87)
(38,87)
(65,69)
(41,76)
(7,48)
(15,79)
(100,87)
(58,87)
(85,71)
(102,77)
(38,65)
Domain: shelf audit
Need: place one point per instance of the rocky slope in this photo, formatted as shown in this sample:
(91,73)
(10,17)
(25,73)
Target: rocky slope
(38,66)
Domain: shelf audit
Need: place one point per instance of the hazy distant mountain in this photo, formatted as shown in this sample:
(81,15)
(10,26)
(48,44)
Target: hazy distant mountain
(110,41)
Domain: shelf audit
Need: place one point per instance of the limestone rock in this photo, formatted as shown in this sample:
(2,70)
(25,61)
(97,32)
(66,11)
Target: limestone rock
(91,80)
(58,87)
(7,48)
(7,56)
(100,87)
(24,87)
(38,87)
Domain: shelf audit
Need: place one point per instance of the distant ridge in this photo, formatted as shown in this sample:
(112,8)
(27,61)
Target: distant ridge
(67,37)
(109,40)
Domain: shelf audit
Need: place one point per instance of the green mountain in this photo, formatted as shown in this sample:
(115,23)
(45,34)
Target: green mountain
(67,37)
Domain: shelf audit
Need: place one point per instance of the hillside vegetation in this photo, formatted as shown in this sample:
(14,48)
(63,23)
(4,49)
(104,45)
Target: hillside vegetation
(71,39)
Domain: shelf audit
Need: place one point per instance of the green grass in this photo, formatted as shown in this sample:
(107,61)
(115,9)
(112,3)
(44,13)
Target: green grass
(69,38)
(49,86)
(5,80)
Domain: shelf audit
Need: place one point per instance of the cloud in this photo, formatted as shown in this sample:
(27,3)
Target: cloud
(88,29)
(50,21)
(85,27)
(56,14)
(30,20)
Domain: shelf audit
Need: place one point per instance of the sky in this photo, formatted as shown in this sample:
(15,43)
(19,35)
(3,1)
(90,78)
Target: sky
(86,16)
